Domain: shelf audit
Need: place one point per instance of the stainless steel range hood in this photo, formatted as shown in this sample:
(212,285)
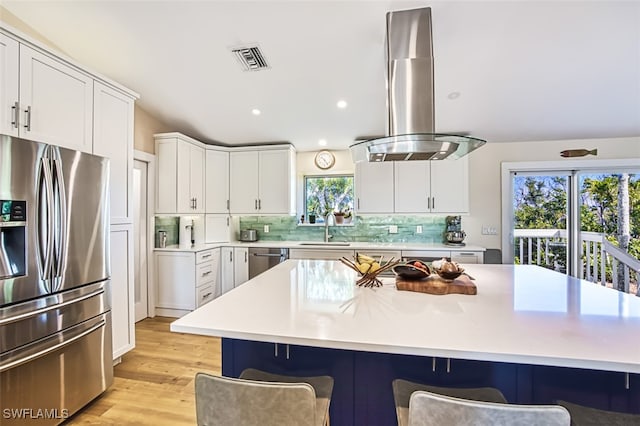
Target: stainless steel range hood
(410,98)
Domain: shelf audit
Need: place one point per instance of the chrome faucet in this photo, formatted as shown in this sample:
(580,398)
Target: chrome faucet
(327,218)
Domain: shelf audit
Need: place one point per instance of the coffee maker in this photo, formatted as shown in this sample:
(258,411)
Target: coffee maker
(453,234)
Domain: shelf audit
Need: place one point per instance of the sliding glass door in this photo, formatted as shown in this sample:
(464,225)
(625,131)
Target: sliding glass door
(541,219)
(584,222)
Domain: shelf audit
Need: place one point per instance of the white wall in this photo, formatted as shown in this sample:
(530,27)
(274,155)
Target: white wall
(485,168)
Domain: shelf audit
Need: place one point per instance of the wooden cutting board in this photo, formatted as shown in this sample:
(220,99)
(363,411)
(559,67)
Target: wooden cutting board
(436,285)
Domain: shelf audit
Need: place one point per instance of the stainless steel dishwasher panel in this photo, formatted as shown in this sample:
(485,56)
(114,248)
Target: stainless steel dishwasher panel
(263,258)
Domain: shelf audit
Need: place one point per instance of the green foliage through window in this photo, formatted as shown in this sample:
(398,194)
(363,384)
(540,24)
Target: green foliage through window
(326,194)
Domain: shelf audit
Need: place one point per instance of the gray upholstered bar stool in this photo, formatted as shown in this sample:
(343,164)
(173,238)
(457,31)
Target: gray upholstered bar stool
(258,398)
(431,409)
(402,390)
(587,416)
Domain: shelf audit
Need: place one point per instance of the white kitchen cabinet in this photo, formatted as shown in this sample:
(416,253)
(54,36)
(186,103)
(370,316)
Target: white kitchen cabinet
(44,99)
(226,266)
(9,71)
(180,174)
(216,181)
(186,280)
(374,187)
(113,138)
(56,102)
(240,265)
(450,186)
(122,290)
(262,181)
(467,256)
(217,228)
(432,186)
(244,180)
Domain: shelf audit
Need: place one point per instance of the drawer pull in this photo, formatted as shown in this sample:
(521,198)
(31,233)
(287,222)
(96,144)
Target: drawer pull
(206,256)
(204,274)
(206,295)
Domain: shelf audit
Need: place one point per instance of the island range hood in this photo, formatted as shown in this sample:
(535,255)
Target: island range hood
(410,98)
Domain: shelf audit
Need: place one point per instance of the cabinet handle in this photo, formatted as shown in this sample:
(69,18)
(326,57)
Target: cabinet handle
(259,204)
(433,364)
(275,351)
(206,295)
(358,202)
(230,256)
(206,256)
(433,202)
(15,115)
(429,203)
(204,274)
(227,207)
(245,257)
(227,221)
(287,351)
(27,118)
(195,203)
(255,204)
(448,365)
(626,381)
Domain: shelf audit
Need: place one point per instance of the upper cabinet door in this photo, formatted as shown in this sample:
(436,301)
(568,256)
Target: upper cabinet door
(275,182)
(113,138)
(244,174)
(412,187)
(217,181)
(9,106)
(56,102)
(450,186)
(374,187)
(196,183)
(183,178)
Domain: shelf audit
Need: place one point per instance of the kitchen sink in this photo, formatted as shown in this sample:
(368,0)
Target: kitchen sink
(332,244)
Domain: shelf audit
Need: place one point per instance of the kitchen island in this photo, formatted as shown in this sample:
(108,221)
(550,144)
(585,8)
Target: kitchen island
(534,333)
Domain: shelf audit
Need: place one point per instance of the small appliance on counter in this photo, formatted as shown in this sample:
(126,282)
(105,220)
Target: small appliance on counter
(162,239)
(453,234)
(248,235)
(185,236)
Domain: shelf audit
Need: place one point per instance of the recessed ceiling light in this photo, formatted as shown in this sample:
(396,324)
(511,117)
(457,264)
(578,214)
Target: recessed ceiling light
(453,95)
(256,111)
(322,142)
(342,104)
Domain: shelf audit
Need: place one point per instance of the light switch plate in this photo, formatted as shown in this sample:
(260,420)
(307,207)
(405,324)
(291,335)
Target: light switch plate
(393,229)
(266,229)
(419,229)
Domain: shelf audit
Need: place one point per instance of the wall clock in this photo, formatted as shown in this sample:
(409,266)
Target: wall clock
(325,160)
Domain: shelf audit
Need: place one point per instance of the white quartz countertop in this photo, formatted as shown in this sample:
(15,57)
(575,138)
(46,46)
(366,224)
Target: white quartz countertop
(321,245)
(521,314)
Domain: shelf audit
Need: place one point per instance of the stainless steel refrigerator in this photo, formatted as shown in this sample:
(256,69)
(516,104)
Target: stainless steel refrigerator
(55,301)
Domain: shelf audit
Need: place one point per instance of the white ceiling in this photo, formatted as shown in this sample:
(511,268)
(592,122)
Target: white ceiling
(524,71)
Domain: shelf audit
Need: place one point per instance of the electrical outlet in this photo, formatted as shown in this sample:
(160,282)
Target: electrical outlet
(419,229)
(489,230)
(266,229)
(393,229)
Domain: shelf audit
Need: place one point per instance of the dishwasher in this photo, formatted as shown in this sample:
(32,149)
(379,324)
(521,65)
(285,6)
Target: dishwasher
(263,258)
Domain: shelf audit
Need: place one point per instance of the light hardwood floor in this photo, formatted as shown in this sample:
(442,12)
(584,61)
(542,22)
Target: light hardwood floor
(154,384)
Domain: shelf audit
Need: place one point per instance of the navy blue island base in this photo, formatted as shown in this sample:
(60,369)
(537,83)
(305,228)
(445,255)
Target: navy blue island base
(362,392)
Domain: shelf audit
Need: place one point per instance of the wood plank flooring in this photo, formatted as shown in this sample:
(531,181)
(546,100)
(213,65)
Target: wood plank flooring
(154,384)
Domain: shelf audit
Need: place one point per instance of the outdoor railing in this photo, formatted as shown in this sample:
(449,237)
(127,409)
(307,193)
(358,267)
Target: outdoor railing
(547,247)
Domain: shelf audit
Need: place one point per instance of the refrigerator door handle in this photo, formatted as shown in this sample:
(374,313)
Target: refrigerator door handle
(36,312)
(16,360)
(44,221)
(60,205)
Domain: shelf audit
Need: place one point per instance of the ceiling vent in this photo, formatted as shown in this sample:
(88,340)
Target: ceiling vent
(250,58)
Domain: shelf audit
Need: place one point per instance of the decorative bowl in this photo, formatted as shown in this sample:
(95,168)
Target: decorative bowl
(409,272)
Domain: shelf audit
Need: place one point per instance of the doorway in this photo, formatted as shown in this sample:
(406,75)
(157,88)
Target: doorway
(576,217)
(143,174)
